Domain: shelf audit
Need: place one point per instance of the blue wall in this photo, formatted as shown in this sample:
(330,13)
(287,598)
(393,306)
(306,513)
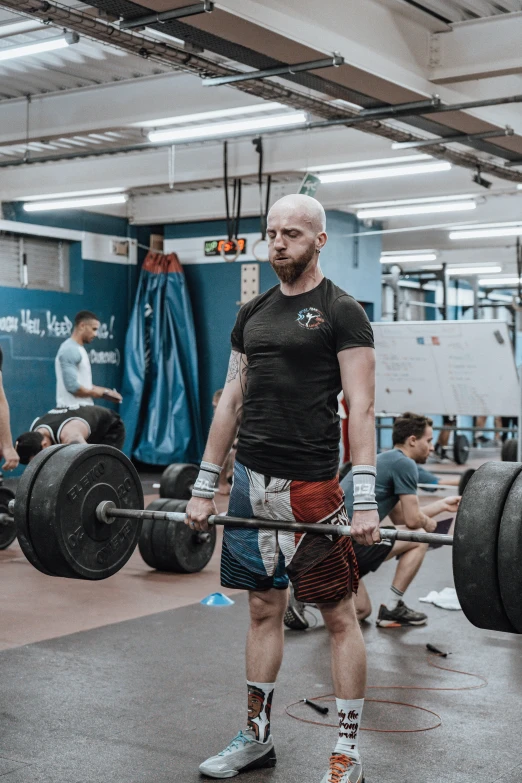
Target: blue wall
(41,320)
(215,288)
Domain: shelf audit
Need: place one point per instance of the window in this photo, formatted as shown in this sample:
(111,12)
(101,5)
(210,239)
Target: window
(34,262)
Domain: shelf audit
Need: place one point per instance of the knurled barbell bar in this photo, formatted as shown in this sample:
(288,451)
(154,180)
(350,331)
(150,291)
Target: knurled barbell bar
(79,514)
(107,512)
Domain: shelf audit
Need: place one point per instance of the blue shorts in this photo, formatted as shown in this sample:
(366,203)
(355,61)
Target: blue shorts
(321,568)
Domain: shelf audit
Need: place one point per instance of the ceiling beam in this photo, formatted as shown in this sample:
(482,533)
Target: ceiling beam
(480,49)
(79,22)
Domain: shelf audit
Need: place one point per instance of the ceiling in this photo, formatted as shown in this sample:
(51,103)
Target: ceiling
(463,10)
(78,118)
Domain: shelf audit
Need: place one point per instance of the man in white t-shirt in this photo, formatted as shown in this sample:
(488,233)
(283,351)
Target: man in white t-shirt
(73,369)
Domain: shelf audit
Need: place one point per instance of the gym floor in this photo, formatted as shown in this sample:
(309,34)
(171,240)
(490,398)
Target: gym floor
(132,680)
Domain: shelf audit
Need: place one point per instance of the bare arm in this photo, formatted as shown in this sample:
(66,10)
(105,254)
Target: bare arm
(416,517)
(226,419)
(222,433)
(74,431)
(6,441)
(357,367)
(358,380)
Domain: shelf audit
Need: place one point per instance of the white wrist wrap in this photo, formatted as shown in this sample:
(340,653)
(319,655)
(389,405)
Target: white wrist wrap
(364,487)
(206,483)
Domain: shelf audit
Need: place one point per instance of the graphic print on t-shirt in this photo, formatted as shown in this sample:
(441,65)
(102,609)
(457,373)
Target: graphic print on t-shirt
(310,318)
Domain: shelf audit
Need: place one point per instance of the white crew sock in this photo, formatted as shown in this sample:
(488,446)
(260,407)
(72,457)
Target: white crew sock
(349,712)
(260,696)
(394,596)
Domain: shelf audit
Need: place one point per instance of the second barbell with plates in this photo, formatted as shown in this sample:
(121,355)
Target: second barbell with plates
(79,514)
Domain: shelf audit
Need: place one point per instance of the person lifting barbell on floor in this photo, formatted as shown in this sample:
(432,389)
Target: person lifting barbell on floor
(293,349)
(396,494)
(79,424)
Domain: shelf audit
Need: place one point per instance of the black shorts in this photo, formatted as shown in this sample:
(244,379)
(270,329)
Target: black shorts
(370,558)
(114,435)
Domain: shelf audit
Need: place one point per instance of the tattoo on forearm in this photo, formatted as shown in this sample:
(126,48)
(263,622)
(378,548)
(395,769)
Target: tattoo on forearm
(243,376)
(233,367)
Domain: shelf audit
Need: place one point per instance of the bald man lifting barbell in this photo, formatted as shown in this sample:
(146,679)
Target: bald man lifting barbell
(293,349)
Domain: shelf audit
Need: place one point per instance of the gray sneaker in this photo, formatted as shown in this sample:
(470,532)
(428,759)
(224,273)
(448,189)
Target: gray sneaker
(242,754)
(343,769)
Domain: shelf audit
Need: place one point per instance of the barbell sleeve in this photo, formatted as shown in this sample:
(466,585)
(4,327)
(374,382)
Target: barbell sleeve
(107,511)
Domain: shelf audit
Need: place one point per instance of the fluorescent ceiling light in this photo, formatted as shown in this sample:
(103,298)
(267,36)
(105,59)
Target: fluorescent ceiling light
(342,102)
(16,28)
(38,47)
(361,164)
(416,209)
(507,281)
(396,258)
(76,203)
(164,36)
(403,202)
(488,230)
(217,129)
(218,114)
(385,171)
(71,194)
(474,270)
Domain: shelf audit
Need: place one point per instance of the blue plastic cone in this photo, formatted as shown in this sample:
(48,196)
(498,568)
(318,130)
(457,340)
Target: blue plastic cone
(217,599)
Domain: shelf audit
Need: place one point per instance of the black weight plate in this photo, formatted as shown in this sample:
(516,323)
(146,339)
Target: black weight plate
(177,481)
(477,524)
(145,542)
(7,532)
(24,494)
(65,533)
(178,548)
(463,483)
(166,559)
(509,450)
(460,449)
(510,555)
(344,470)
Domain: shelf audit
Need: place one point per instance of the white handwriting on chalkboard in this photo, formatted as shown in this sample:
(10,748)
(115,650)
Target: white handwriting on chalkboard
(9,323)
(104,357)
(54,326)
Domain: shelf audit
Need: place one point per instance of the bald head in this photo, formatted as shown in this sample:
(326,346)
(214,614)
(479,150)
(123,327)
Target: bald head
(301,209)
(296,234)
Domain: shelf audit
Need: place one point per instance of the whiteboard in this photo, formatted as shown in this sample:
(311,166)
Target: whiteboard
(448,367)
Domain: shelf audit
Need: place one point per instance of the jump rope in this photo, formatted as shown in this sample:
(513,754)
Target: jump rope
(330,697)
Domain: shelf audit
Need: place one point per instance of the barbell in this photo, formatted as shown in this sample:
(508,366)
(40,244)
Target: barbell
(79,514)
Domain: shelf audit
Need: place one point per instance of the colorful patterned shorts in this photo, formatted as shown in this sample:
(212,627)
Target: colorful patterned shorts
(321,568)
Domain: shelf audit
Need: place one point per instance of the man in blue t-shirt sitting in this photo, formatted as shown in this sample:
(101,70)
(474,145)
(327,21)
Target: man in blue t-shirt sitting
(396,495)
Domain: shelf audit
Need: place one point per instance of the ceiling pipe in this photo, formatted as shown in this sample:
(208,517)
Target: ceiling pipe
(101,31)
(178,13)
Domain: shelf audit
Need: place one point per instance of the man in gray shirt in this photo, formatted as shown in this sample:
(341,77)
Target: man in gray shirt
(73,369)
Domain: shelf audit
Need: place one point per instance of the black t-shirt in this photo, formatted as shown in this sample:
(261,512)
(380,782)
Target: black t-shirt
(290,425)
(97,418)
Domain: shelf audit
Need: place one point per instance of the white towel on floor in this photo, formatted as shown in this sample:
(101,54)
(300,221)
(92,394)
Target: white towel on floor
(446,599)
